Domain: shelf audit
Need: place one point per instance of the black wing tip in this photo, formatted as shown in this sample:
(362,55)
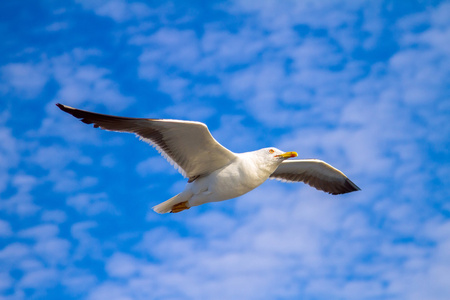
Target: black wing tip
(66,108)
(353,185)
(61,106)
(77,113)
(349,187)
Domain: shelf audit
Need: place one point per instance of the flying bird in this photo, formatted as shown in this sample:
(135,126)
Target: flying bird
(215,173)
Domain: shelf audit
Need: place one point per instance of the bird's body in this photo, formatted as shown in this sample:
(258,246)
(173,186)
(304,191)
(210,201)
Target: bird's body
(215,173)
(242,175)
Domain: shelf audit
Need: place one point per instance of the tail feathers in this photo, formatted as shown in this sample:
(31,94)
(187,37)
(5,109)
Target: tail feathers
(167,205)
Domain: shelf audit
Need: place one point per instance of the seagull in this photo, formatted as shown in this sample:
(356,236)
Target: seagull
(215,173)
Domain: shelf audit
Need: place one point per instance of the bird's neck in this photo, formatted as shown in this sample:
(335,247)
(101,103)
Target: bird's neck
(260,164)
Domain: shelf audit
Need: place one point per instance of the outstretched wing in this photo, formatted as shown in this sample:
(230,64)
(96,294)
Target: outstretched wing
(317,174)
(188,145)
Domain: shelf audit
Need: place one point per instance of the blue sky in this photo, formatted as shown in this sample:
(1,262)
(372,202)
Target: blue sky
(363,85)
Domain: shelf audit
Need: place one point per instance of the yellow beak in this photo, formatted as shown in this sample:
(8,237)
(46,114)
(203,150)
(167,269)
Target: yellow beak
(288,154)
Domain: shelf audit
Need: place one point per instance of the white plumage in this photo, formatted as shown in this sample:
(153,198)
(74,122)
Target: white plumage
(215,173)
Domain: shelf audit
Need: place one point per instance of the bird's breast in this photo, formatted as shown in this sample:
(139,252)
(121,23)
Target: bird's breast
(237,179)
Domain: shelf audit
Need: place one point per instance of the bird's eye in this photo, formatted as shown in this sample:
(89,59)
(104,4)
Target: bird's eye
(271,151)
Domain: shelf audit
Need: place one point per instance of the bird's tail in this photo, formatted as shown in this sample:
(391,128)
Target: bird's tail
(168,205)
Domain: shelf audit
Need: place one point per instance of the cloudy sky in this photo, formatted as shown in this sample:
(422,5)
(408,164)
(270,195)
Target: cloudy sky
(363,85)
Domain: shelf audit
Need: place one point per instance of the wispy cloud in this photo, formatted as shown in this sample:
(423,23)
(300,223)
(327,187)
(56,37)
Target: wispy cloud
(5,229)
(13,79)
(81,82)
(9,157)
(91,204)
(118,10)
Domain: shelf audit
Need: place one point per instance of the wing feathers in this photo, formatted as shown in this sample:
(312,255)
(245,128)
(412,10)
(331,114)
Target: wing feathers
(107,122)
(189,146)
(317,174)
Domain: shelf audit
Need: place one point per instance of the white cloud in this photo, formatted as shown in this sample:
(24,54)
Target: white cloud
(279,243)
(91,204)
(109,291)
(5,229)
(230,259)
(166,48)
(266,87)
(78,281)
(61,125)
(42,278)
(41,232)
(118,10)
(194,111)
(81,82)
(174,47)
(85,244)
(223,49)
(68,181)
(224,224)
(54,161)
(9,156)
(57,216)
(13,253)
(48,246)
(57,26)
(234,135)
(57,157)
(13,76)
(24,182)
(163,243)
(54,251)
(5,281)
(21,202)
(108,161)
(122,265)
(154,165)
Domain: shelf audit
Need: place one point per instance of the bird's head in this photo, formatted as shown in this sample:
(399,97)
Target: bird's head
(277,155)
(269,159)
